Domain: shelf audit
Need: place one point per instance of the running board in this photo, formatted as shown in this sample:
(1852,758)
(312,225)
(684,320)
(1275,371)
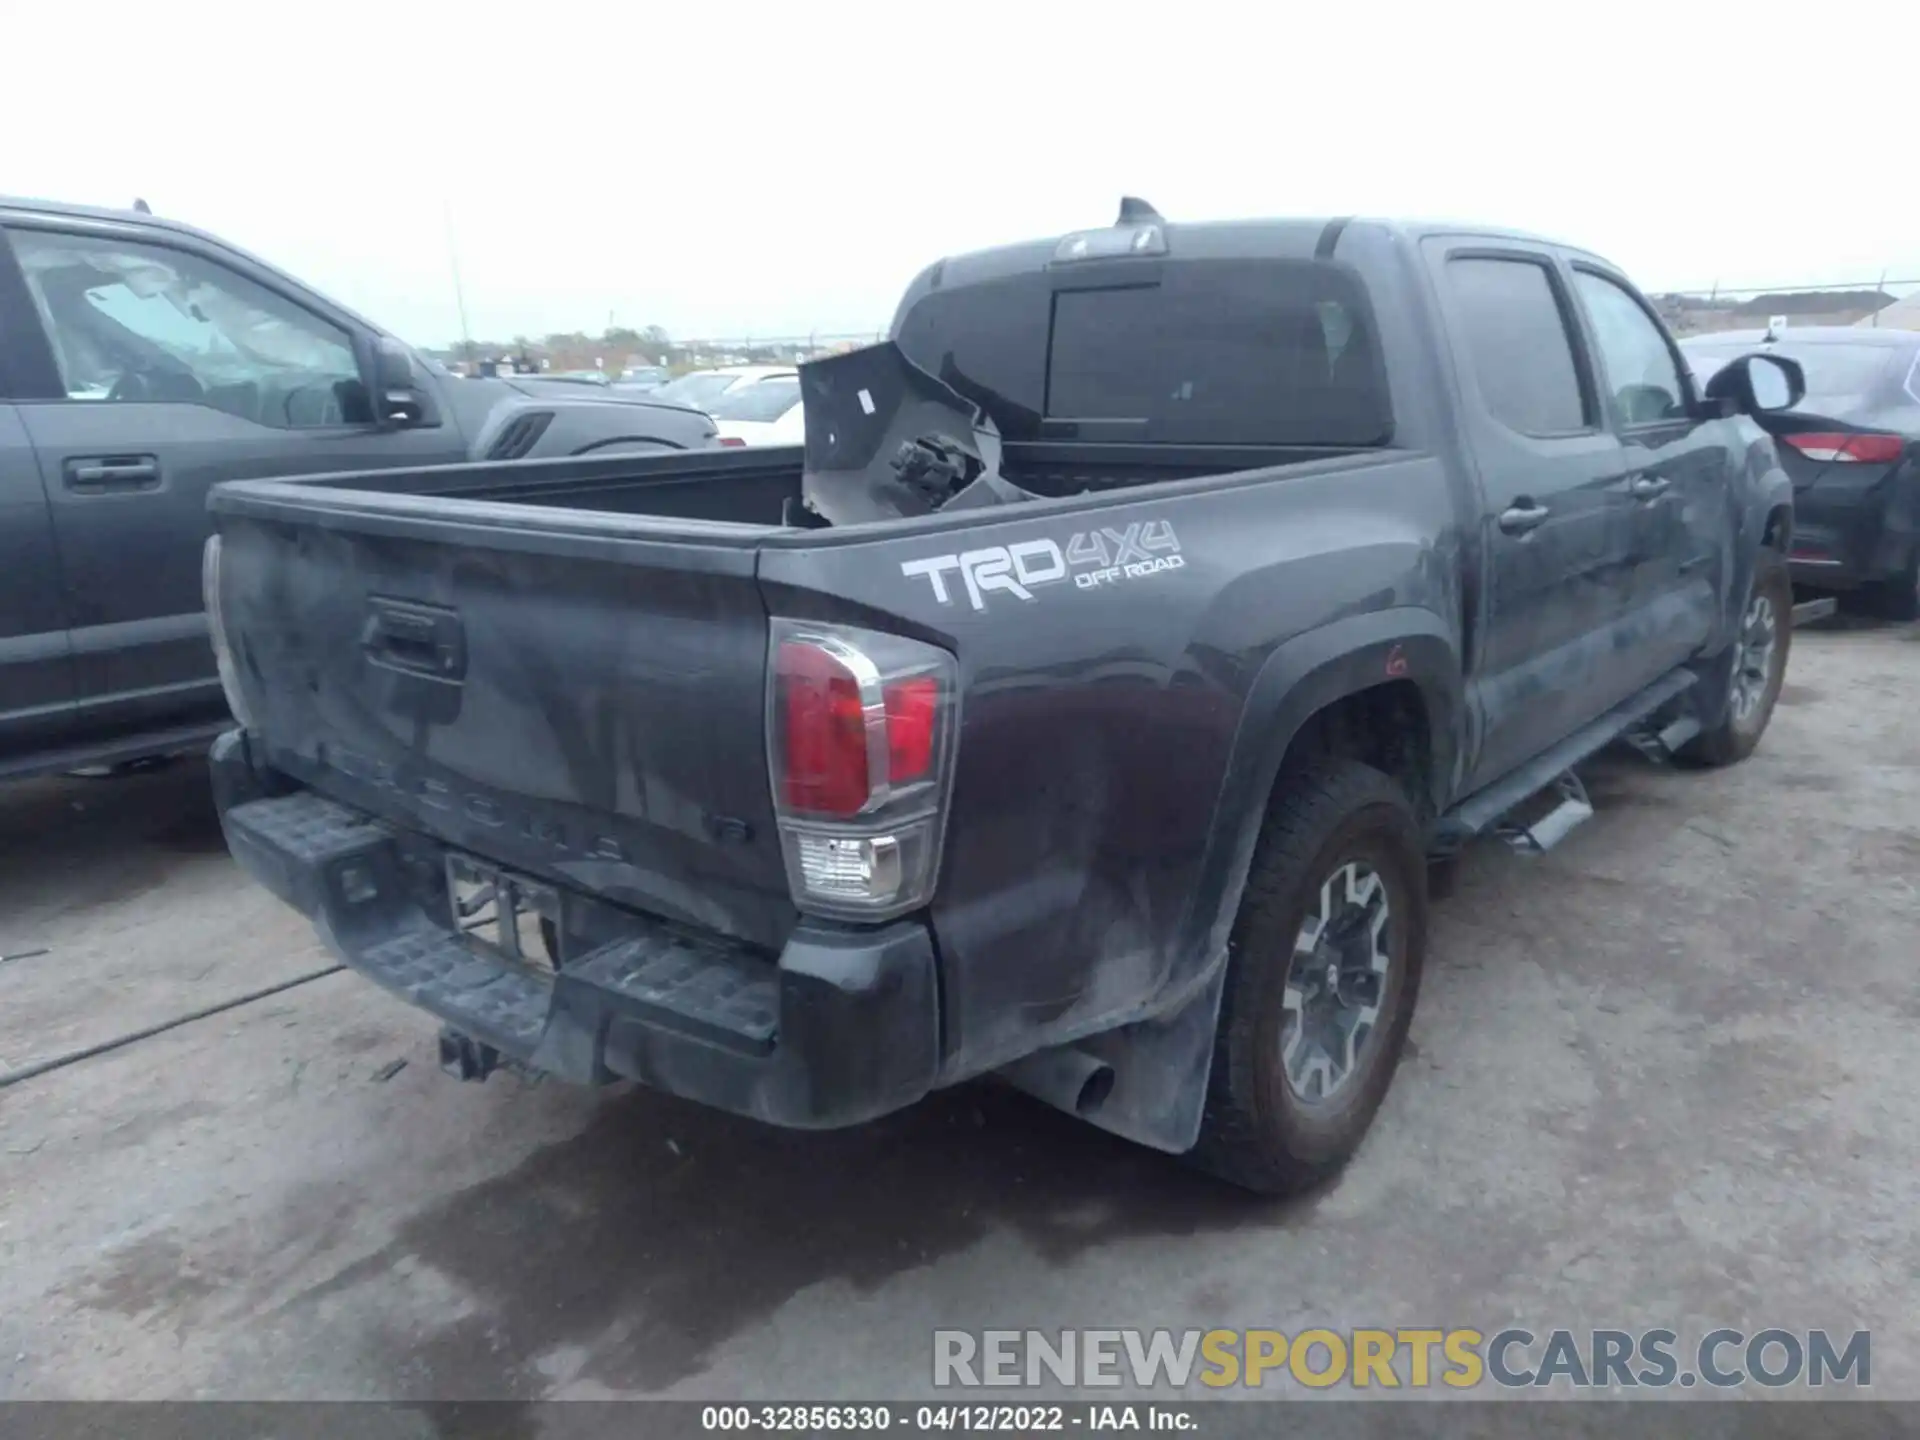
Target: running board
(1663,745)
(1539,836)
(1481,812)
(1808,611)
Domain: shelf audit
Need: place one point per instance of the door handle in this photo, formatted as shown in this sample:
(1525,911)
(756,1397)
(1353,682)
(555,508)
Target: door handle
(1648,487)
(99,474)
(1519,518)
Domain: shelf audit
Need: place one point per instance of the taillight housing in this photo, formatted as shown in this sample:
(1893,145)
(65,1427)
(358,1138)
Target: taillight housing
(861,728)
(732,441)
(217,632)
(1848,446)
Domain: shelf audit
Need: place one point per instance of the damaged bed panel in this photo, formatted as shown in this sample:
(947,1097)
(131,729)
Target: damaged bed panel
(885,440)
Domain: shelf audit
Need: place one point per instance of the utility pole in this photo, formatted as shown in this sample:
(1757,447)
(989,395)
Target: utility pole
(459,295)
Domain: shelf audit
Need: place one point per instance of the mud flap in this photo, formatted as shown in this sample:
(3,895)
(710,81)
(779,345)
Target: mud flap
(1160,1069)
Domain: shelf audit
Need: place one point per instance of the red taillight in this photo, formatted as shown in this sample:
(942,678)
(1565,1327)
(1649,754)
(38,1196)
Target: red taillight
(830,746)
(1848,446)
(912,708)
(861,731)
(825,721)
(732,440)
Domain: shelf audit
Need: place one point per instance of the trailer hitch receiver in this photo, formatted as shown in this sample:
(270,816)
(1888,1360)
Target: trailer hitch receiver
(464,1057)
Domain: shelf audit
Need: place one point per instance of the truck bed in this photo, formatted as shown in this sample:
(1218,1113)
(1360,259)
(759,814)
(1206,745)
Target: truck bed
(724,486)
(761,486)
(562,664)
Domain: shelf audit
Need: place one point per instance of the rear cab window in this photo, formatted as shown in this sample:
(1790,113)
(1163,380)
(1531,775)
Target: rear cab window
(1266,353)
(1257,352)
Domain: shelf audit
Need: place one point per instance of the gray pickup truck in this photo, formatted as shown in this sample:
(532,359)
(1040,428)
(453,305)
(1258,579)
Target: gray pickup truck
(143,361)
(1084,703)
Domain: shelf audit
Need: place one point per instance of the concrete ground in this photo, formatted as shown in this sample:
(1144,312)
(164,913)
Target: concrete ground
(1662,1077)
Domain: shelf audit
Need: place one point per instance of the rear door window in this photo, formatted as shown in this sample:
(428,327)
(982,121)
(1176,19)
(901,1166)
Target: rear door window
(1223,352)
(1521,351)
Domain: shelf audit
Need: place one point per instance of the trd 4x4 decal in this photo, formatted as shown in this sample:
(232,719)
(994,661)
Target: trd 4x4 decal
(1091,559)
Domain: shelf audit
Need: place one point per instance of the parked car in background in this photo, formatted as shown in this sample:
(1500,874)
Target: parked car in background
(1852,447)
(563,377)
(141,362)
(642,379)
(701,388)
(767,412)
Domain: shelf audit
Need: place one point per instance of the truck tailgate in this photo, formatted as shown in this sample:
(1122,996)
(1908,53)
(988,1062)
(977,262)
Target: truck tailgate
(583,707)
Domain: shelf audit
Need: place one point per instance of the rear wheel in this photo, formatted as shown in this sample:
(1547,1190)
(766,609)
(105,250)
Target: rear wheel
(1323,971)
(1759,666)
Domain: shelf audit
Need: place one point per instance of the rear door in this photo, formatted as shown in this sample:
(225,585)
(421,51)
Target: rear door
(1676,470)
(1556,525)
(171,369)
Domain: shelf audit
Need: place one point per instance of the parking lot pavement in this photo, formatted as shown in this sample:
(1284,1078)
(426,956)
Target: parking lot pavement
(1661,1077)
(119,899)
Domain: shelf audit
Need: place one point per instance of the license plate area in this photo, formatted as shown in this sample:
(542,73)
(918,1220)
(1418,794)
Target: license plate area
(499,913)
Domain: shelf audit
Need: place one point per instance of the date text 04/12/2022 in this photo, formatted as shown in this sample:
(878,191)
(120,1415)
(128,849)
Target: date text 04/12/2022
(941,1418)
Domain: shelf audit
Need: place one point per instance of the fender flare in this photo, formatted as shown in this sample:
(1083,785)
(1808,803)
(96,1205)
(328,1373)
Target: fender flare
(1301,677)
(1765,489)
(1162,1108)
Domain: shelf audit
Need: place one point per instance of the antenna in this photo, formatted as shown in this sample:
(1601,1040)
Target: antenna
(140,207)
(1135,211)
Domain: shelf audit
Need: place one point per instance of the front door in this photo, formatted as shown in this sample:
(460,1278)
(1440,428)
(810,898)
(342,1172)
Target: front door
(176,372)
(1676,471)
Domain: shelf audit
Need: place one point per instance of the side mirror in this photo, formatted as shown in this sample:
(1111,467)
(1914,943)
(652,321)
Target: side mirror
(1760,384)
(396,389)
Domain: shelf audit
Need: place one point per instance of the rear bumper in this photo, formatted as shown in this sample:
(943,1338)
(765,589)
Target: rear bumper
(840,1027)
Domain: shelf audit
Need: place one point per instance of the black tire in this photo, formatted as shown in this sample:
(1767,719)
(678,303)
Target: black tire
(1738,732)
(1257,1131)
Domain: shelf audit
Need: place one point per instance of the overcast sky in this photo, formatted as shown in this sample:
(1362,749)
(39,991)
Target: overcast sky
(735,168)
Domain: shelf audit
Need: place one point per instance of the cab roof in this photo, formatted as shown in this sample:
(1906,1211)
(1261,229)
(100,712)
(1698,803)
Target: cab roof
(1286,238)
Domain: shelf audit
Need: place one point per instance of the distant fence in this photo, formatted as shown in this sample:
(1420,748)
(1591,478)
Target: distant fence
(1737,307)
(770,349)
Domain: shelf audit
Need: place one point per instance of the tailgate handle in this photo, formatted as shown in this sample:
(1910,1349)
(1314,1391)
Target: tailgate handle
(418,639)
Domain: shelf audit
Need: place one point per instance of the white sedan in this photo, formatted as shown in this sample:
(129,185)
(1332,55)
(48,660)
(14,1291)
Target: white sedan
(767,412)
(703,389)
